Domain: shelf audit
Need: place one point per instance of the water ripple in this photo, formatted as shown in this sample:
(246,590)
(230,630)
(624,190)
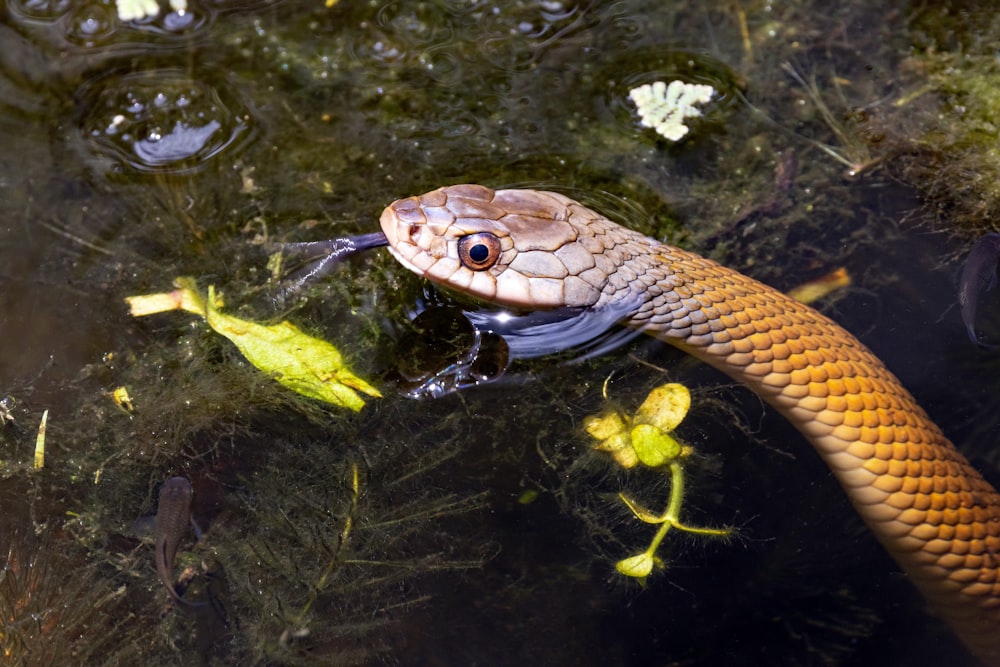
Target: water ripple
(42,11)
(90,25)
(160,121)
(95,27)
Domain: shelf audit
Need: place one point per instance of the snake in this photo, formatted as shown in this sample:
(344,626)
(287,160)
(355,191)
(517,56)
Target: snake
(925,503)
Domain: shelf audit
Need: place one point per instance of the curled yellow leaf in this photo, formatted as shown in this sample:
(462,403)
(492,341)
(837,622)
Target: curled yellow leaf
(305,364)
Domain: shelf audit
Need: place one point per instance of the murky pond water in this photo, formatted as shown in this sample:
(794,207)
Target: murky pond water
(480,527)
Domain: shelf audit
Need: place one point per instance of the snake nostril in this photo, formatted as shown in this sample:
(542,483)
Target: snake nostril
(414,232)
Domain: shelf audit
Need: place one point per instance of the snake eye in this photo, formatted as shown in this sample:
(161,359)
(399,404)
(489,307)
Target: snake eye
(479,251)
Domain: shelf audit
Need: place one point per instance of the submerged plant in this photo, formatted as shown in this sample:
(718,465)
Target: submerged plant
(852,149)
(646,439)
(51,601)
(950,140)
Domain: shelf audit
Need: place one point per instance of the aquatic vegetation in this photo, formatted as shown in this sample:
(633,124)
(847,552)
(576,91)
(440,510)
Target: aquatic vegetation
(303,363)
(818,288)
(39,461)
(52,599)
(853,149)
(321,570)
(13,431)
(136,10)
(646,438)
(7,404)
(665,107)
(946,133)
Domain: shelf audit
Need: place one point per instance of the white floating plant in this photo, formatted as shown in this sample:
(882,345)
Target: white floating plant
(137,10)
(665,107)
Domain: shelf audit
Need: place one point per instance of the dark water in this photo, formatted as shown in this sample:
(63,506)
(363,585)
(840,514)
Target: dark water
(183,144)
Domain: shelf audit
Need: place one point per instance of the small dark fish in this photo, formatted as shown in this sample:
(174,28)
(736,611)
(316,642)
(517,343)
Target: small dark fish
(978,275)
(173,516)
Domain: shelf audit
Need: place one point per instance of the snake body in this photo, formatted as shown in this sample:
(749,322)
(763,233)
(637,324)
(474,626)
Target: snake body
(928,506)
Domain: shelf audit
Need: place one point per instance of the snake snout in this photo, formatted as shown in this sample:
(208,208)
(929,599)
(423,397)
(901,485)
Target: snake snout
(404,226)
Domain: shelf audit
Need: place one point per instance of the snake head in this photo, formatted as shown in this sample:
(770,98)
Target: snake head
(518,248)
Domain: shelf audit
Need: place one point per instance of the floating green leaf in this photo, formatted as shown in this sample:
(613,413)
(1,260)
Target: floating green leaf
(653,447)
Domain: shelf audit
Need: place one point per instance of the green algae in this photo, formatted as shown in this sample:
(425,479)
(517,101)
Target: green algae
(941,129)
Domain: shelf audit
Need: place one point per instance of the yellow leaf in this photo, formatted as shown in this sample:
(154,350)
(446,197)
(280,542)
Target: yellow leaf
(665,407)
(605,426)
(306,365)
(814,290)
(122,399)
(619,446)
(639,566)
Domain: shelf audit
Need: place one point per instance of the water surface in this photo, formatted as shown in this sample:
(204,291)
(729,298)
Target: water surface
(132,152)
